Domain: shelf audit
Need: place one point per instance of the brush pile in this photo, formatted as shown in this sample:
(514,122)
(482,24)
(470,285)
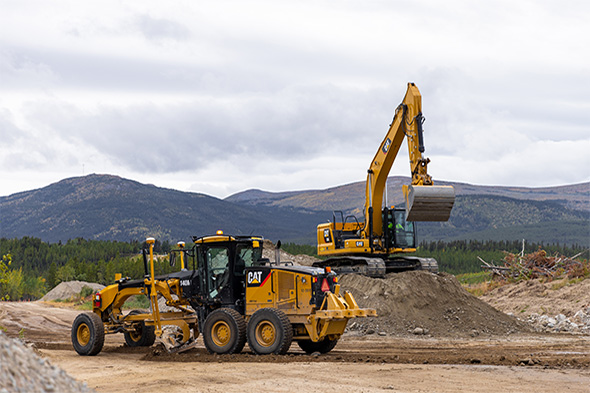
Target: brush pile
(538,264)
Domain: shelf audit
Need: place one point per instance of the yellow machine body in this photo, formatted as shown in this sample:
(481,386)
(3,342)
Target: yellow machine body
(293,291)
(231,296)
(424,200)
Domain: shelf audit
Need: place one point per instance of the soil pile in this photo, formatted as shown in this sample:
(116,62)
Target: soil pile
(21,370)
(419,302)
(68,290)
(535,296)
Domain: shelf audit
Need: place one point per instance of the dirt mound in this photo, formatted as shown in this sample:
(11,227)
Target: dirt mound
(560,305)
(69,289)
(544,298)
(21,370)
(419,302)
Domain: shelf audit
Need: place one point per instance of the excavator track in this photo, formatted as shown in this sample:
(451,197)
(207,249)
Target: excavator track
(378,267)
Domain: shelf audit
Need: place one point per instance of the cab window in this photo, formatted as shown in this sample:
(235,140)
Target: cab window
(246,256)
(404,230)
(217,259)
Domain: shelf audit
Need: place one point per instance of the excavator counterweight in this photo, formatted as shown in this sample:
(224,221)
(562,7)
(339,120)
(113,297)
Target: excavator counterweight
(429,203)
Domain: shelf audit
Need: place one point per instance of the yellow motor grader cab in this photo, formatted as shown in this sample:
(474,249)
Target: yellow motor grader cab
(231,296)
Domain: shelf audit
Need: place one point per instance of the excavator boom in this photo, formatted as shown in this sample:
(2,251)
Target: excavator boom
(424,201)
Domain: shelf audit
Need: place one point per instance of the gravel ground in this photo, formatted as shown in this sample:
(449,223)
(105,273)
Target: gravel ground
(22,370)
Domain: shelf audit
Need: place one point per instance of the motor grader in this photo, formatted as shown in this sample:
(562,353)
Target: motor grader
(231,295)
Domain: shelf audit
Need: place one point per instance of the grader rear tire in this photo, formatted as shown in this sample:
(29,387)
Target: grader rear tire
(270,332)
(144,336)
(224,331)
(88,334)
(323,346)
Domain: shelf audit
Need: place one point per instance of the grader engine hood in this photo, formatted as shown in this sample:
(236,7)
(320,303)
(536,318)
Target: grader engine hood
(307,295)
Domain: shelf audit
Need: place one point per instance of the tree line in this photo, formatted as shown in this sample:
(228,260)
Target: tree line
(31,267)
(461,256)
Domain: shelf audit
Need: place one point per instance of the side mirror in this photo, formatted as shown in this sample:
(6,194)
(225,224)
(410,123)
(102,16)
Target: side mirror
(172,258)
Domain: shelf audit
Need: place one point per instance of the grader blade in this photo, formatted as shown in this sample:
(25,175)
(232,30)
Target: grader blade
(429,203)
(172,339)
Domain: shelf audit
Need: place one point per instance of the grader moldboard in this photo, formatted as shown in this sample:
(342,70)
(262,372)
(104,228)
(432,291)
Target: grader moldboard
(231,295)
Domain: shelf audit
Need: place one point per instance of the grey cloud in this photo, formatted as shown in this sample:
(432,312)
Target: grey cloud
(25,67)
(9,132)
(24,149)
(292,126)
(161,29)
(20,70)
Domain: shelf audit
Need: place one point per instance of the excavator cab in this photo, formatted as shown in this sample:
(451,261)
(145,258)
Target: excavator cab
(397,232)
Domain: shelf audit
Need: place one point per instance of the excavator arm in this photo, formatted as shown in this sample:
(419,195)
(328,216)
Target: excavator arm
(424,201)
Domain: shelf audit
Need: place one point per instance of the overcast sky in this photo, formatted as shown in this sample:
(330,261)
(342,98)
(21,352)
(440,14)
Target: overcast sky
(221,96)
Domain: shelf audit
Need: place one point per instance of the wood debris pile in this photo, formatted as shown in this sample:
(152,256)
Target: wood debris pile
(538,264)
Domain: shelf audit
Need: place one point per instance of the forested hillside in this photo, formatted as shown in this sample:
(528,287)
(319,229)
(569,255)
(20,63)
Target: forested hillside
(38,266)
(487,217)
(105,207)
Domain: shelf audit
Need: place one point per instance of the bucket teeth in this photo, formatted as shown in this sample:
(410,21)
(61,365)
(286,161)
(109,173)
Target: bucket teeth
(429,203)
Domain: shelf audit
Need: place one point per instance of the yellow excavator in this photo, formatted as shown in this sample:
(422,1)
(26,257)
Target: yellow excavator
(377,245)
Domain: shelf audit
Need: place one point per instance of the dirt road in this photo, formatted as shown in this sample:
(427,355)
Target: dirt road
(126,372)
(524,363)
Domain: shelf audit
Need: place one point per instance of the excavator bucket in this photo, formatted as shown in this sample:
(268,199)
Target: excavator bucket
(429,203)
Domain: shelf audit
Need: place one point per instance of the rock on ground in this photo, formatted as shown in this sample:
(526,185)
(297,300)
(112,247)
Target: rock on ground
(21,370)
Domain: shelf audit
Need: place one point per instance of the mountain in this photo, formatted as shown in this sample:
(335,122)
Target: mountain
(351,197)
(545,214)
(106,207)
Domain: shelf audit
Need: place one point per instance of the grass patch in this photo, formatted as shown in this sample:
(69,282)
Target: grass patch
(85,306)
(474,278)
(558,285)
(137,302)
(479,283)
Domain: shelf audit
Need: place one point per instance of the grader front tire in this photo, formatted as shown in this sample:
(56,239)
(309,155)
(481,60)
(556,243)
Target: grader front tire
(143,336)
(88,334)
(270,332)
(224,331)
